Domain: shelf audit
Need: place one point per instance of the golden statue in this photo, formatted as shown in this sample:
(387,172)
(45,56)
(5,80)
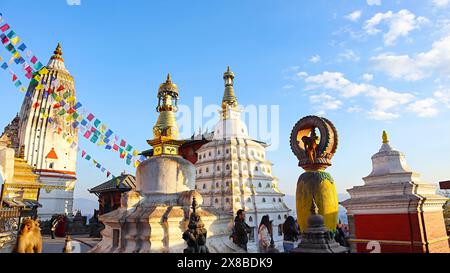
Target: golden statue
(310,143)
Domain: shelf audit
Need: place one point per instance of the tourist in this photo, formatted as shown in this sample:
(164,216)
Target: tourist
(55,223)
(340,235)
(290,234)
(265,235)
(241,230)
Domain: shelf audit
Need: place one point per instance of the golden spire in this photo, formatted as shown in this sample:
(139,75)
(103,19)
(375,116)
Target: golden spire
(58,53)
(165,131)
(229,98)
(168,86)
(385,137)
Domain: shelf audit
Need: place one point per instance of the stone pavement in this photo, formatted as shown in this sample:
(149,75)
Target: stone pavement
(56,245)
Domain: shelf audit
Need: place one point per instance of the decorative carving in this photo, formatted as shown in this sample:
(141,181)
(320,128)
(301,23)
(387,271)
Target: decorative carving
(312,151)
(196,234)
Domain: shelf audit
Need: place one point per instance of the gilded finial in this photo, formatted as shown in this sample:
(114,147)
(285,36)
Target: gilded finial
(385,137)
(314,208)
(58,53)
(229,98)
(169,78)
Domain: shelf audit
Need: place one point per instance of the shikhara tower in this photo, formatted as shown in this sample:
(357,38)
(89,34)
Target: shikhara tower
(233,172)
(43,138)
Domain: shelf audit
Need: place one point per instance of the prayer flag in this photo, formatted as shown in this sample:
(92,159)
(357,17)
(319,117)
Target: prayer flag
(5,39)
(38,66)
(43,71)
(88,157)
(90,117)
(87,134)
(129,148)
(10,34)
(123,143)
(33,60)
(97,123)
(4,66)
(94,138)
(4,28)
(108,133)
(83,122)
(83,153)
(18,83)
(22,47)
(15,40)
(78,105)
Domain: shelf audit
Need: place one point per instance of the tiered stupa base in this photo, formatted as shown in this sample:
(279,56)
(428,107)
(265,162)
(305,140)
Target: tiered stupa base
(159,229)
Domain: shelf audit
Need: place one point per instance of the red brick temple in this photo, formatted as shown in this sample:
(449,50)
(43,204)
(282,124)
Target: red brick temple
(394,211)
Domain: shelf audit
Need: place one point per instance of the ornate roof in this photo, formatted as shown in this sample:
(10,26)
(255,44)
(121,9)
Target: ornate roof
(123,183)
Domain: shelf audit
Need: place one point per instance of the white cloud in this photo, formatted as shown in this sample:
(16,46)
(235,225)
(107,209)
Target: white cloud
(441,3)
(354,16)
(373,2)
(348,55)
(386,104)
(419,66)
(288,86)
(354,109)
(398,66)
(399,24)
(367,77)
(443,96)
(302,74)
(423,108)
(382,115)
(314,59)
(324,102)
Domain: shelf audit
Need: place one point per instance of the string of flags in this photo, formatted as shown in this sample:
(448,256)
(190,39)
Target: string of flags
(62,100)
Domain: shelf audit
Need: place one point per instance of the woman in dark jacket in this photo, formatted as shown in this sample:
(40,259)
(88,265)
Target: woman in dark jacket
(290,234)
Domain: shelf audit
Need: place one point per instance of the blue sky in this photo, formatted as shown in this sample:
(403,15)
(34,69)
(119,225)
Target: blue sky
(365,65)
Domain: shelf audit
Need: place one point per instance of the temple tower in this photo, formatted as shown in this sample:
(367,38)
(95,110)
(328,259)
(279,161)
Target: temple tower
(43,137)
(233,172)
(394,211)
(154,216)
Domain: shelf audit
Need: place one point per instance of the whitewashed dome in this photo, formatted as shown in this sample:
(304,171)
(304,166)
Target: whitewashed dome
(388,161)
(231,127)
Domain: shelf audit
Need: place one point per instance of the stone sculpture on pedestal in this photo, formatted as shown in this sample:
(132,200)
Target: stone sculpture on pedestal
(196,234)
(314,153)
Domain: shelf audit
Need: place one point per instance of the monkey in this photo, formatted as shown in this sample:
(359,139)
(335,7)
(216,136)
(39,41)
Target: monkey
(29,239)
(310,146)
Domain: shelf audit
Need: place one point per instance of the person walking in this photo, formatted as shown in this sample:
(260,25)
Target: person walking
(240,230)
(55,223)
(264,235)
(290,234)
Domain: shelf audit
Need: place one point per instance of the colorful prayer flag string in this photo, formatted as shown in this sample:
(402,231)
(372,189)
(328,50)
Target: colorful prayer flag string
(94,129)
